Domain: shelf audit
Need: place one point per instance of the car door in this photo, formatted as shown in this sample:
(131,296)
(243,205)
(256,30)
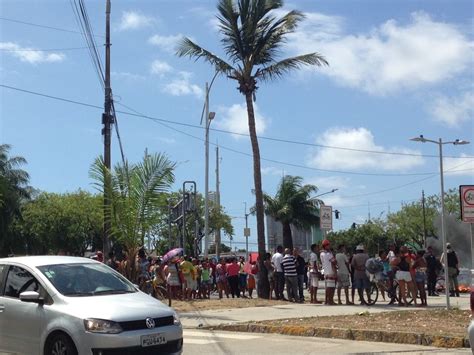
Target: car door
(3,324)
(21,321)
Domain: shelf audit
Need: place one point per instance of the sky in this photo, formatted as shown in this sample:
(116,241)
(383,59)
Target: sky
(397,69)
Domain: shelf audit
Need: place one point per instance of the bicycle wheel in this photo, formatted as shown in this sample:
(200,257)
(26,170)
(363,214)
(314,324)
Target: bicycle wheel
(396,291)
(161,293)
(372,295)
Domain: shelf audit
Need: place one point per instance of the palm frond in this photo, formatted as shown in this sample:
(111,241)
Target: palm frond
(285,66)
(187,48)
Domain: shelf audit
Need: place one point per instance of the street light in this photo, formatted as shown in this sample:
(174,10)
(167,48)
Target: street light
(440,143)
(209,117)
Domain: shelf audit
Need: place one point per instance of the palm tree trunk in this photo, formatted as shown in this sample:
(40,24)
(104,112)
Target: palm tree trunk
(263,285)
(287,237)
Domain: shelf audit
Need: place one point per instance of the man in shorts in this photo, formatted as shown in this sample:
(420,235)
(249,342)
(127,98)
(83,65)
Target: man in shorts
(314,274)
(361,281)
(328,261)
(343,274)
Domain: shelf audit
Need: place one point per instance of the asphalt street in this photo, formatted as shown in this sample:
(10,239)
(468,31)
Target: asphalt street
(228,343)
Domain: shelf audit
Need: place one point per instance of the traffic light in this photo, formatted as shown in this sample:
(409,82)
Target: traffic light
(337,213)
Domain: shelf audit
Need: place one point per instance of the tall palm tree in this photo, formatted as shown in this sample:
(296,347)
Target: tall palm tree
(13,190)
(293,205)
(136,192)
(252,38)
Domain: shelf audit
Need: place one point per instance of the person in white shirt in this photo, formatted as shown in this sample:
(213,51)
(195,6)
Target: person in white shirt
(279,276)
(314,274)
(343,274)
(328,262)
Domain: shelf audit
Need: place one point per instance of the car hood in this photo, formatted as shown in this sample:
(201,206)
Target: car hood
(123,307)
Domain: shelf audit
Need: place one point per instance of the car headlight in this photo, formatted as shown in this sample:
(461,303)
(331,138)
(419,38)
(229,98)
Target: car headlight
(102,326)
(176,320)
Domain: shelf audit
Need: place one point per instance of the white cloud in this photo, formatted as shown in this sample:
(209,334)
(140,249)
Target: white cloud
(235,119)
(160,68)
(462,166)
(182,86)
(31,55)
(272,171)
(166,43)
(360,139)
(133,20)
(127,76)
(389,58)
(452,111)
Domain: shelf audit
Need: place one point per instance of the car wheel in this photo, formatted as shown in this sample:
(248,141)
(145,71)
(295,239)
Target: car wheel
(60,344)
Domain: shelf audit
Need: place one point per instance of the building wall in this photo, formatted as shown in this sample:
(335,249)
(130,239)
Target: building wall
(301,238)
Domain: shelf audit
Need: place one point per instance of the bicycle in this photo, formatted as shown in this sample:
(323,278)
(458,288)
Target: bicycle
(376,286)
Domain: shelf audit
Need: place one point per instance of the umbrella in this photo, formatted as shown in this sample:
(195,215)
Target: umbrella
(171,254)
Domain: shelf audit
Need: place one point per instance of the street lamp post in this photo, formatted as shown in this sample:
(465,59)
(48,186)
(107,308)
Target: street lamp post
(209,117)
(440,143)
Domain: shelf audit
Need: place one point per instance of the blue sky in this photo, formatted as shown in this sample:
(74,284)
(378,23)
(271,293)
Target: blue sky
(397,69)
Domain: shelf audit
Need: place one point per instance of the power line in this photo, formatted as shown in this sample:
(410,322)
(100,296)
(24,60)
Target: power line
(41,50)
(41,26)
(161,121)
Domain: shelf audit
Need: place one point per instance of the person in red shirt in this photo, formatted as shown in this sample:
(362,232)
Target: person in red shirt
(221,278)
(233,277)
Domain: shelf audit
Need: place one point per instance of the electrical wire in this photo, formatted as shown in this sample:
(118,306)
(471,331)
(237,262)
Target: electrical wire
(41,26)
(41,50)
(161,121)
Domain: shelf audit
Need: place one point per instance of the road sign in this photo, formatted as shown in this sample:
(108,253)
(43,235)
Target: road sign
(466,196)
(246,232)
(326,217)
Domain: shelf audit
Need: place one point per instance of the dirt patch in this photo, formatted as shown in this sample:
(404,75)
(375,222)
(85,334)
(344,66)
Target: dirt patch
(430,322)
(225,303)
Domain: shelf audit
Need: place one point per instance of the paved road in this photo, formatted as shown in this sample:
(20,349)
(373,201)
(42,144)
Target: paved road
(228,343)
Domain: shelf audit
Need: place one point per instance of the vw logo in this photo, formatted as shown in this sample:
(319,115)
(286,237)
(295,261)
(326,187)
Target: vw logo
(150,323)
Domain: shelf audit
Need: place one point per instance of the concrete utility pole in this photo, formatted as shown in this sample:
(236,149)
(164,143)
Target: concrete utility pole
(424,217)
(246,233)
(107,121)
(206,184)
(218,205)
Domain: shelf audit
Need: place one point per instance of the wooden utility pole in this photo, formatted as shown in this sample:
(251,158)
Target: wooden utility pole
(107,121)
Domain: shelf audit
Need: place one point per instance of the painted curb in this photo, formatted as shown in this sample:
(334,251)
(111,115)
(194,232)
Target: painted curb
(351,334)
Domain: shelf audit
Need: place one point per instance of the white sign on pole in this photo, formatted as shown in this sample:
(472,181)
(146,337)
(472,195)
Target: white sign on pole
(326,217)
(246,232)
(466,194)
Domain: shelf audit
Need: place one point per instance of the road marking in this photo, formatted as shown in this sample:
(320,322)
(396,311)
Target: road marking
(198,341)
(210,334)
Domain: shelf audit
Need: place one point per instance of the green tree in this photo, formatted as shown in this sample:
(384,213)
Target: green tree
(252,37)
(224,249)
(293,205)
(53,223)
(136,194)
(14,190)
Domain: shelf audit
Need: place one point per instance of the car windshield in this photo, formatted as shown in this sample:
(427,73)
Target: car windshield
(88,279)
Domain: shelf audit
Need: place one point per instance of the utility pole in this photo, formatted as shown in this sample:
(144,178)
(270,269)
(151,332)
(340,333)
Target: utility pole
(107,121)
(217,240)
(206,184)
(424,217)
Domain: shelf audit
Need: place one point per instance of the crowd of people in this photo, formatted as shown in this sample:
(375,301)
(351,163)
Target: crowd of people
(337,269)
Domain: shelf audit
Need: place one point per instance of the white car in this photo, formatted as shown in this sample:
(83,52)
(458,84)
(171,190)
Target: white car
(60,305)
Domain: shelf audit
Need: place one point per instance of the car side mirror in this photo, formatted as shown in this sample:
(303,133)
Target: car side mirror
(32,297)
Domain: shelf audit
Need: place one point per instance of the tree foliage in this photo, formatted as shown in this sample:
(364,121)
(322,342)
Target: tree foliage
(136,195)
(293,205)
(14,190)
(69,223)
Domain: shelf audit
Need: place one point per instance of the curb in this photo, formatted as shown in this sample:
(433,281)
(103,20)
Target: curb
(351,334)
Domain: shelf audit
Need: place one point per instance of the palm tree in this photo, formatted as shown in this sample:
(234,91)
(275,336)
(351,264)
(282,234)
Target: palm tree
(13,190)
(137,192)
(293,205)
(252,38)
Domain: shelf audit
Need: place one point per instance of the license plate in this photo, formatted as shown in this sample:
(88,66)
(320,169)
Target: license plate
(153,339)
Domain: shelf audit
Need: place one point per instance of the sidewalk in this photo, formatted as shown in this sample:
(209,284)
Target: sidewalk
(199,319)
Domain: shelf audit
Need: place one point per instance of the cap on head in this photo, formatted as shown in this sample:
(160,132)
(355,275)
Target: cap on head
(360,247)
(326,243)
